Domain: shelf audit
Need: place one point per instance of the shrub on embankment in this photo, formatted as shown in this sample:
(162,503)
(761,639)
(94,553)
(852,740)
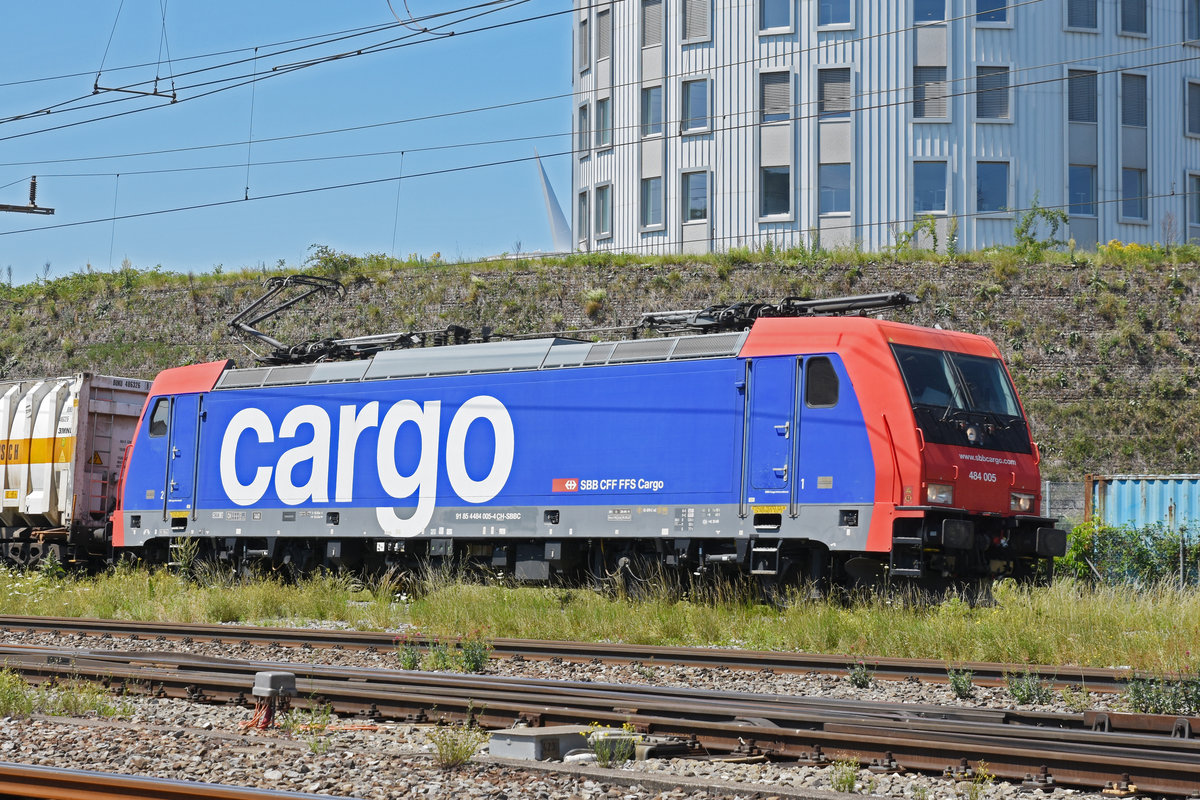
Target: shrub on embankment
(1104,347)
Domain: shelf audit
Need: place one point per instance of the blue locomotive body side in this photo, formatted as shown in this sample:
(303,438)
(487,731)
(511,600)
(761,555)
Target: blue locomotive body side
(631,449)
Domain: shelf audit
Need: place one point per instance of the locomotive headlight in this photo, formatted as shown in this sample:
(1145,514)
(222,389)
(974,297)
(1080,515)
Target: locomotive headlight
(973,435)
(941,493)
(1020,501)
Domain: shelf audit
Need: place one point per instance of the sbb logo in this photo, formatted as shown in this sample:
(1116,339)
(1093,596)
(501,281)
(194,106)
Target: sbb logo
(566,485)
(338,441)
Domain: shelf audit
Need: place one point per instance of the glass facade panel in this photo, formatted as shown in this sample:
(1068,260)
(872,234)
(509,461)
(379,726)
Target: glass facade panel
(835,188)
(652,121)
(929,186)
(775,191)
(652,202)
(991,186)
(1081,189)
(1133,193)
(695,105)
(695,196)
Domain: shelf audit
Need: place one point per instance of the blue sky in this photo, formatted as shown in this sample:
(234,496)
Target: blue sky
(464,214)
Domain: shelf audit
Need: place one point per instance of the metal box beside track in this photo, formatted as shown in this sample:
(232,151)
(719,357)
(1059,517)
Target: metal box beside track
(63,446)
(1139,500)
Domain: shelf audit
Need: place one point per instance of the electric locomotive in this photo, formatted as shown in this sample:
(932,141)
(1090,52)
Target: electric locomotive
(800,441)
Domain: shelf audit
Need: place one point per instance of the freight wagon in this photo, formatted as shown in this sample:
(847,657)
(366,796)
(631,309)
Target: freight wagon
(63,447)
(847,450)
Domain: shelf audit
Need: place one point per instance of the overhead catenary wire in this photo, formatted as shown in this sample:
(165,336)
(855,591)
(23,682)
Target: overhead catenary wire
(635,142)
(489,6)
(497,141)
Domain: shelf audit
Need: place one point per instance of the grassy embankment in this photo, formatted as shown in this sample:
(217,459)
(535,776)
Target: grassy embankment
(1068,623)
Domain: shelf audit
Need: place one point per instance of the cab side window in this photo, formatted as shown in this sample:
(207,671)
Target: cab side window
(820,383)
(159,416)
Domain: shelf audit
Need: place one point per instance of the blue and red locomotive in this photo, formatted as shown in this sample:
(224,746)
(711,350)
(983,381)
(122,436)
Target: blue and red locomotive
(793,443)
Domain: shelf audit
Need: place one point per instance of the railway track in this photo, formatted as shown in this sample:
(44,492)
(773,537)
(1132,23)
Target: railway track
(53,783)
(984,673)
(1039,749)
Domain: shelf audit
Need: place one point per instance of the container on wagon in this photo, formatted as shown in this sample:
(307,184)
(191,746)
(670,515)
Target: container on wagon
(63,446)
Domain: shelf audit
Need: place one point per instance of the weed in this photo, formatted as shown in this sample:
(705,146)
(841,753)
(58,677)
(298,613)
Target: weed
(408,653)
(844,775)
(1179,696)
(311,724)
(920,792)
(613,748)
(441,657)
(1028,688)
(960,683)
(455,743)
(1076,698)
(474,652)
(860,675)
(979,784)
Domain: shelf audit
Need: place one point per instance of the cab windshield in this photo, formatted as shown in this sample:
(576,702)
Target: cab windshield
(955,381)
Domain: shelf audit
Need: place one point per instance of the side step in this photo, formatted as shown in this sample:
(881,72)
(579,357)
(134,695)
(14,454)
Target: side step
(907,557)
(764,559)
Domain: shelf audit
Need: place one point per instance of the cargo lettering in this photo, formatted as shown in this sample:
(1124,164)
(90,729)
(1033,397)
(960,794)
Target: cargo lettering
(352,423)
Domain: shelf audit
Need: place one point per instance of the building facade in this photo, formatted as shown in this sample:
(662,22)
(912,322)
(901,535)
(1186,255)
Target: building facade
(702,125)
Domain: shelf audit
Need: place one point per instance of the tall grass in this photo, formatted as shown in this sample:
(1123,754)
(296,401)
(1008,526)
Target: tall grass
(1153,628)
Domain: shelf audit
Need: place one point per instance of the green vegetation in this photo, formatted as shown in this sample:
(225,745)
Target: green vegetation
(1028,688)
(455,743)
(844,776)
(1178,695)
(1150,628)
(612,747)
(310,724)
(860,675)
(961,683)
(72,698)
(1137,556)
(1104,346)
(1144,627)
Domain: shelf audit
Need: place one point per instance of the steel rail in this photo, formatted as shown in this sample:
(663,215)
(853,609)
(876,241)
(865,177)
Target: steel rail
(983,673)
(54,783)
(781,727)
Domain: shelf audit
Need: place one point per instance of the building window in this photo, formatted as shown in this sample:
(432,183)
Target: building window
(603,211)
(1133,16)
(652,123)
(991,92)
(991,11)
(834,180)
(695,196)
(652,22)
(833,12)
(652,202)
(774,14)
(1133,100)
(1081,96)
(1192,21)
(1133,193)
(833,93)
(583,219)
(929,92)
(775,191)
(585,132)
(929,10)
(603,35)
(695,106)
(603,122)
(696,15)
(1193,108)
(774,96)
(1081,14)
(1081,190)
(991,186)
(1193,202)
(584,41)
(929,186)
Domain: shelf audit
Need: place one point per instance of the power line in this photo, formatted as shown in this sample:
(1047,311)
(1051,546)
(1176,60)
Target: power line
(58,108)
